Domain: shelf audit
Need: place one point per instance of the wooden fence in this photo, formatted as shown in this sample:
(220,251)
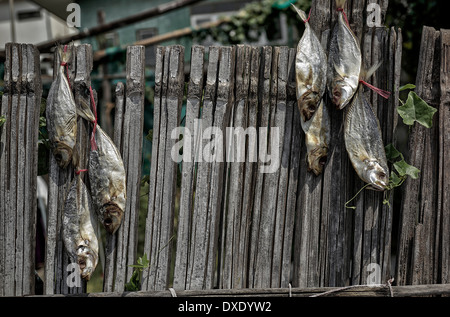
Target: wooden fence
(237,227)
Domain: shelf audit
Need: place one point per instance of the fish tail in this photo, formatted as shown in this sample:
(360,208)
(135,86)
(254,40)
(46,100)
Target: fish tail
(340,4)
(65,53)
(300,12)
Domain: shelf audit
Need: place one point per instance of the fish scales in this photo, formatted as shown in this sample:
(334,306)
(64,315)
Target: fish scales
(79,235)
(108,181)
(311,71)
(364,143)
(344,62)
(61,114)
(317,138)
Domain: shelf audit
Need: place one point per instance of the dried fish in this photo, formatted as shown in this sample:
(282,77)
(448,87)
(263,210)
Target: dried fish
(310,70)
(79,235)
(344,61)
(317,138)
(107,178)
(62,112)
(364,144)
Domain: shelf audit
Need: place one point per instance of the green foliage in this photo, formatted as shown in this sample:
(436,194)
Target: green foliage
(135,281)
(249,23)
(415,109)
(2,120)
(403,169)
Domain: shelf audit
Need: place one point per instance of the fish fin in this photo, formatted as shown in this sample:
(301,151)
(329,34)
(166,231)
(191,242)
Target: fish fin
(84,111)
(75,157)
(340,72)
(340,3)
(365,74)
(300,12)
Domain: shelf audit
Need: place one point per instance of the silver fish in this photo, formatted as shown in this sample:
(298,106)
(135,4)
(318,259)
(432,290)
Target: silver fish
(317,138)
(108,181)
(62,114)
(344,62)
(79,235)
(364,144)
(310,70)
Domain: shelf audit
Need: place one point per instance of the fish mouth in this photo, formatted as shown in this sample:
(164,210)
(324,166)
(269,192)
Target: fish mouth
(317,160)
(87,261)
(63,155)
(112,217)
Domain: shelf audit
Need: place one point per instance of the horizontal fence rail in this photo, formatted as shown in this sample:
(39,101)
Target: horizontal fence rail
(232,208)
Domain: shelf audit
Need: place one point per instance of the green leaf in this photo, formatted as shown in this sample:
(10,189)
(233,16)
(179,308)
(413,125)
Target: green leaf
(404,168)
(407,86)
(392,153)
(2,120)
(416,109)
(395,180)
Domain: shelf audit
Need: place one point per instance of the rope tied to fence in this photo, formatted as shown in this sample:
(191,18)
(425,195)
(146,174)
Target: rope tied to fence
(383,93)
(345,15)
(94,129)
(64,64)
(309,17)
(78,172)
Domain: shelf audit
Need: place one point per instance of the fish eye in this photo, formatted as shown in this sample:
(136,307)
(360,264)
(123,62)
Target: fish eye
(323,160)
(108,221)
(382,174)
(58,157)
(82,264)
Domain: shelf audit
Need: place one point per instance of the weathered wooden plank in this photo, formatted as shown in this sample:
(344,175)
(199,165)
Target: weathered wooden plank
(233,273)
(281,166)
(157,170)
(190,150)
(264,240)
(132,132)
(222,112)
(444,163)
(263,122)
(420,141)
(293,127)
(199,244)
(157,104)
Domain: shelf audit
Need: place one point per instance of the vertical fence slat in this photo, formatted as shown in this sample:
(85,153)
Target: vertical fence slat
(191,142)
(222,111)
(263,122)
(232,270)
(160,71)
(197,258)
(444,167)
(281,166)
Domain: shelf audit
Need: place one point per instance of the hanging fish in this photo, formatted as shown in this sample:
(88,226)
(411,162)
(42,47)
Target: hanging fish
(310,71)
(344,61)
(317,139)
(107,178)
(79,234)
(364,144)
(61,114)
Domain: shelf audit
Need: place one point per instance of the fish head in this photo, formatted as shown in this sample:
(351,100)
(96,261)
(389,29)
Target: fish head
(112,216)
(341,95)
(87,260)
(317,159)
(308,104)
(376,175)
(63,154)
